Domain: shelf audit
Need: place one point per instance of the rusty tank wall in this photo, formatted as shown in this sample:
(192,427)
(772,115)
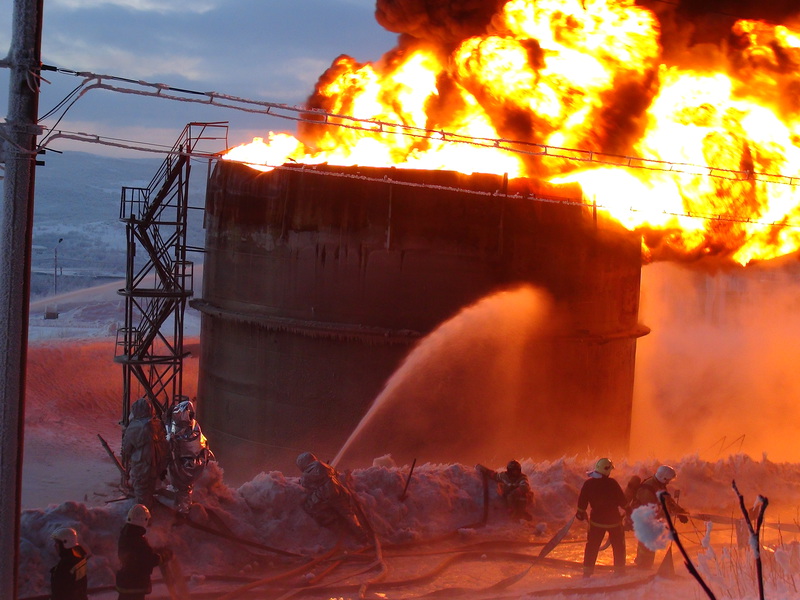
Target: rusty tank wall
(318,280)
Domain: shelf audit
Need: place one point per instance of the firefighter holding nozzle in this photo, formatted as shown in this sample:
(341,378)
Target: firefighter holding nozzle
(647,493)
(328,501)
(137,558)
(513,487)
(188,452)
(604,496)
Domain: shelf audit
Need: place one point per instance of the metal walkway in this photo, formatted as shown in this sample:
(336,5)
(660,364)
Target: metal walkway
(159,280)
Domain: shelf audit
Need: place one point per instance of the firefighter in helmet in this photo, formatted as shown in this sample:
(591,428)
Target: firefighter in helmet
(137,558)
(513,487)
(68,577)
(189,452)
(647,493)
(144,451)
(328,500)
(607,501)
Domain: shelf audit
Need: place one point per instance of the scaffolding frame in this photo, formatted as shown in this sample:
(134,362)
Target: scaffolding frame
(150,344)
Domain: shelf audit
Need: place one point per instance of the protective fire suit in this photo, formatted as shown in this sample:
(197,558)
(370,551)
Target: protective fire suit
(144,451)
(329,502)
(189,453)
(514,488)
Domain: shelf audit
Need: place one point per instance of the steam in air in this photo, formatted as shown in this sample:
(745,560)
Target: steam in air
(463,391)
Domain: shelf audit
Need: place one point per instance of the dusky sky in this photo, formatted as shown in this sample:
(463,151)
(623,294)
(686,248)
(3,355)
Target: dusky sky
(265,50)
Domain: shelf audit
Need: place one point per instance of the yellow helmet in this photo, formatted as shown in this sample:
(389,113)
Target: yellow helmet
(604,466)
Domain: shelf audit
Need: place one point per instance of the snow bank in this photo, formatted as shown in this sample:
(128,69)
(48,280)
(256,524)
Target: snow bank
(441,499)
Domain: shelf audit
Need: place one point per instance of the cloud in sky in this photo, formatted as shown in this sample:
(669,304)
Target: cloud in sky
(138,65)
(177,6)
(158,6)
(269,51)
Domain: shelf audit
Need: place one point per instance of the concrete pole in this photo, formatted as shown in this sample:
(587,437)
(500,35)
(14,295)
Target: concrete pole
(16,225)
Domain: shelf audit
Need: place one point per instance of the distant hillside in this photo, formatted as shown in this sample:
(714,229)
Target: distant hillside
(77,200)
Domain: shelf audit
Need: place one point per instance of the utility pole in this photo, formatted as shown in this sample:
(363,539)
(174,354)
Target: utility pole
(55,267)
(16,226)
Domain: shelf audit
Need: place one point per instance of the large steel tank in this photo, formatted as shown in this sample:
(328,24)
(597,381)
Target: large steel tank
(319,280)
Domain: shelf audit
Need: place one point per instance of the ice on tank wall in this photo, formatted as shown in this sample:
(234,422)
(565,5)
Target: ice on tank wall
(319,280)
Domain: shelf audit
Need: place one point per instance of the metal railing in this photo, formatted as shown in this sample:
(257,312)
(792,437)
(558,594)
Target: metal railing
(159,279)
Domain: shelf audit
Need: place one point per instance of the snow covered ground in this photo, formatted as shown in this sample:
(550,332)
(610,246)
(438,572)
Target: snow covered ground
(429,544)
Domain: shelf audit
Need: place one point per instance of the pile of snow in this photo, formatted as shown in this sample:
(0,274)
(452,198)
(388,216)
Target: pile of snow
(442,499)
(95,312)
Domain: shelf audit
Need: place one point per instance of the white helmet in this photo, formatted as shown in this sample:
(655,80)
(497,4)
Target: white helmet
(665,474)
(67,536)
(305,459)
(139,515)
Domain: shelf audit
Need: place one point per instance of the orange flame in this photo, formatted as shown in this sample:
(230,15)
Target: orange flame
(703,159)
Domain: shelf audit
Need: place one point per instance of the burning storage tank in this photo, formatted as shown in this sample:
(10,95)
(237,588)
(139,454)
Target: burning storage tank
(319,280)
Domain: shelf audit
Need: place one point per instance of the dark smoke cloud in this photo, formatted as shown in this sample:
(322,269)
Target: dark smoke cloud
(694,34)
(621,120)
(449,21)
(444,21)
(770,10)
(705,35)
(695,23)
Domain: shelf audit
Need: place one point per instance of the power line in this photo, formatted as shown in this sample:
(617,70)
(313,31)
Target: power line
(534,197)
(158,148)
(321,117)
(92,138)
(373,126)
(147,147)
(61,103)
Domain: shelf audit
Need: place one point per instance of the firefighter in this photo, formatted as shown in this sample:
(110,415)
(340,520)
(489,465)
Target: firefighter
(513,487)
(647,493)
(137,558)
(632,486)
(607,501)
(188,453)
(329,501)
(68,577)
(144,451)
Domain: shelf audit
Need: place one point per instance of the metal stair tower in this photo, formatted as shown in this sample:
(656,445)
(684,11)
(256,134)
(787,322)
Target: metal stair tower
(160,280)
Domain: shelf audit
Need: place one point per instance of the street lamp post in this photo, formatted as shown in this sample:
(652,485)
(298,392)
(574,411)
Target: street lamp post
(55,267)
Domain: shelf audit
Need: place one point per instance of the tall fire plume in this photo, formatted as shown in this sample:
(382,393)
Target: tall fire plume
(680,119)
